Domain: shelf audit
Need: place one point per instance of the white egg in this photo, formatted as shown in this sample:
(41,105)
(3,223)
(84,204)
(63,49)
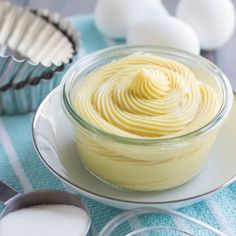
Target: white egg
(212,20)
(164,31)
(114,17)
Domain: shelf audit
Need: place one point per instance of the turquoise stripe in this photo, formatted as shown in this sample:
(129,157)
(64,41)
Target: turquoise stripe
(7,173)
(101,214)
(226,201)
(233,187)
(201,212)
(92,40)
(156,219)
(21,139)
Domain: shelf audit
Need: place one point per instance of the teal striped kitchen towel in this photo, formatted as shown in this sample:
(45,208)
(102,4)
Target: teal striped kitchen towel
(21,168)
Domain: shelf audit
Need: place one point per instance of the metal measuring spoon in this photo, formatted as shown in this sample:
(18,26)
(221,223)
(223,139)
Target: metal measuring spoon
(15,201)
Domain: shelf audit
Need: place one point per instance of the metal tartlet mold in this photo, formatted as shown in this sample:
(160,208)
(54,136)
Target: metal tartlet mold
(26,97)
(32,44)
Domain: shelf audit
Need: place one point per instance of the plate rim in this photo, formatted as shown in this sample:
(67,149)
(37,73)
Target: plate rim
(76,186)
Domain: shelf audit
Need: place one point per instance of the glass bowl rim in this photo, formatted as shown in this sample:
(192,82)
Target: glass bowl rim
(122,217)
(77,119)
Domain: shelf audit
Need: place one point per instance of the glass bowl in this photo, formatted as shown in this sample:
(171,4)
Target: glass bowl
(144,164)
(156,222)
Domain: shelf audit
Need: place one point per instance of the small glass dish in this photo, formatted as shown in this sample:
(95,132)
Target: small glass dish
(125,224)
(137,163)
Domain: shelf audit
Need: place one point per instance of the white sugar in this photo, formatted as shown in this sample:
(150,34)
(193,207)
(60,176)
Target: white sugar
(46,220)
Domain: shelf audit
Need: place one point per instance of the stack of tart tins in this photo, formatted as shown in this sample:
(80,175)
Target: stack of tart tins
(36,47)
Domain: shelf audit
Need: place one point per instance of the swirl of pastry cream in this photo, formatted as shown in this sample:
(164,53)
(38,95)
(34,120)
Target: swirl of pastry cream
(145,96)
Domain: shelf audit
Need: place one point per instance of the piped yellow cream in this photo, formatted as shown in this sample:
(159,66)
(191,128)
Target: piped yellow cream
(145,96)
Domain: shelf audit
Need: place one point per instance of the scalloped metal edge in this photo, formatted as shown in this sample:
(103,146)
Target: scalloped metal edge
(27,98)
(18,70)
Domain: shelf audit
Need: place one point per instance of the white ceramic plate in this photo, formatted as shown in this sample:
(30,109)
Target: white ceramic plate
(53,139)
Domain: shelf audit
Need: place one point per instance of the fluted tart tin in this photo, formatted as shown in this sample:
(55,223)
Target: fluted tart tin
(35,45)
(28,97)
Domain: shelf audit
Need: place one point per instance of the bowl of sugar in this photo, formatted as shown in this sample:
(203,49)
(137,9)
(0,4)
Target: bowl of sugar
(49,212)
